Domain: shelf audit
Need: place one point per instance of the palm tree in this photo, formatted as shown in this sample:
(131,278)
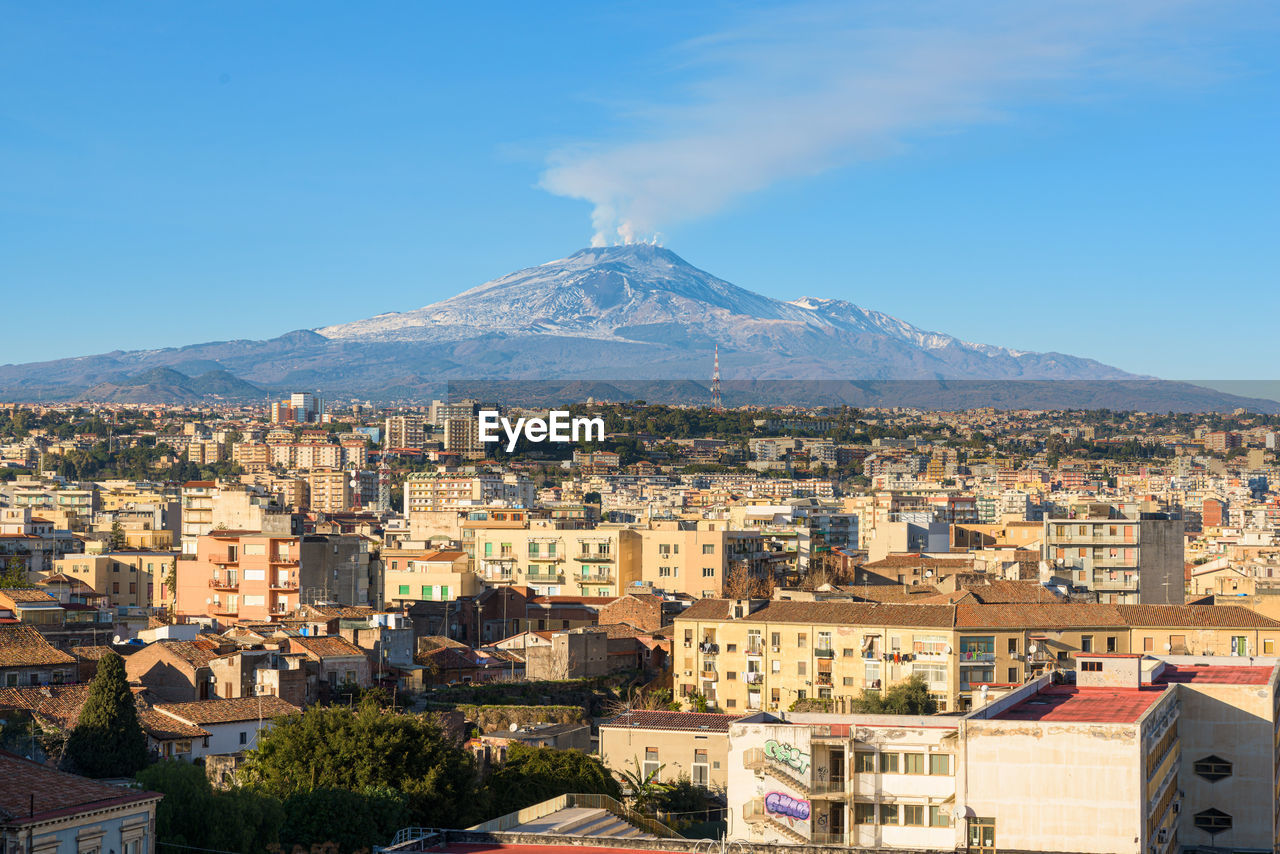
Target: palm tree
(642,789)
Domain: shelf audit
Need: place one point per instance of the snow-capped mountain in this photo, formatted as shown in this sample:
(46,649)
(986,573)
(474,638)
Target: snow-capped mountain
(643,294)
(602,318)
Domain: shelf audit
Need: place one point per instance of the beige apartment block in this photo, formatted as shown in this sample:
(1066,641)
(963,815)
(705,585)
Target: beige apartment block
(426,575)
(671,744)
(695,557)
(127,579)
(767,654)
(559,558)
(330,490)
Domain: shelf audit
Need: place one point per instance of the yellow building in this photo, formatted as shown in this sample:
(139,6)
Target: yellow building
(766,655)
(695,557)
(127,579)
(559,558)
(426,575)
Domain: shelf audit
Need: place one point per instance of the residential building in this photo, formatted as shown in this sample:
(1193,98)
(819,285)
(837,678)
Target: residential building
(26,658)
(130,579)
(174,671)
(672,744)
(559,557)
(695,558)
(233,725)
(1124,560)
(44,811)
(426,575)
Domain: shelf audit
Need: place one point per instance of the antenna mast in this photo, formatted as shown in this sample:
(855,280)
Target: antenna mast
(716,403)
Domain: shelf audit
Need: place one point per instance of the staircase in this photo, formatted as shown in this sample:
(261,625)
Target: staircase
(582,821)
(761,820)
(755,760)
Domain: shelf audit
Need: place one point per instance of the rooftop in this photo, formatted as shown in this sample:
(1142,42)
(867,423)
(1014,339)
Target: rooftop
(31,792)
(1083,705)
(229,711)
(682,721)
(1215,675)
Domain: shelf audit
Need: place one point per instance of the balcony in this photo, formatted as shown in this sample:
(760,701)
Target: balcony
(709,648)
(824,653)
(284,584)
(284,561)
(752,678)
(594,578)
(755,649)
(544,557)
(225,561)
(822,679)
(709,676)
(595,557)
(225,583)
(547,576)
(977,657)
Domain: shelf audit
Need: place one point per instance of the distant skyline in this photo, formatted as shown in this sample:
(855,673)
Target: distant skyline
(1098,179)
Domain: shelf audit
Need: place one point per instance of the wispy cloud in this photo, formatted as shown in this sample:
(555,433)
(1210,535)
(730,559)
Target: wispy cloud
(798,91)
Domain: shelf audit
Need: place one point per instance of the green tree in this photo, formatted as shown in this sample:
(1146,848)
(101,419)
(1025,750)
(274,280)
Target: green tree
(643,789)
(906,698)
(107,740)
(532,775)
(365,748)
(15,574)
(117,541)
(194,814)
(353,821)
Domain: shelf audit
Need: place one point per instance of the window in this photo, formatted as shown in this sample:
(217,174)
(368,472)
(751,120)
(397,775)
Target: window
(939,817)
(864,762)
(775,638)
(888,813)
(802,640)
(864,813)
(913,815)
(1213,820)
(1268,646)
(244,736)
(651,764)
(444,592)
(940,764)
(913,763)
(801,668)
(701,769)
(1147,645)
(1111,643)
(1093,666)
(708,548)
(1086,643)
(708,572)
(932,674)
(824,641)
(426,592)
(977,648)
(1213,768)
(404,590)
(1013,645)
(888,763)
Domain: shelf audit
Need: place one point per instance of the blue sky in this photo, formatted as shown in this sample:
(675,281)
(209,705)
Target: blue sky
(1100,180)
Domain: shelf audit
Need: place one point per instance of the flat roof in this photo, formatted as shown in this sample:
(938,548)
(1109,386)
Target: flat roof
(483,848)
(1215,674)
(1084,705)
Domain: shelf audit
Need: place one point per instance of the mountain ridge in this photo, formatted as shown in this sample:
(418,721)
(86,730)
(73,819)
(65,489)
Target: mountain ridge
(623,313)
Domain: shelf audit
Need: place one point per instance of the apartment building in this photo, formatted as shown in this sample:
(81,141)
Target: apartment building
(430,492)
(330,490)
(197,512)
(249,576)
(1131,560)
(1142,755)
(695,557)
(405,431)
(129,579)
(426,575)
(672,745)
(33,540)
(767,654)
(559,558)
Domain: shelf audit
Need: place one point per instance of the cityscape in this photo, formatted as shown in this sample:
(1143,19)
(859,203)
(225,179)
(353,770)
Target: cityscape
(887,459)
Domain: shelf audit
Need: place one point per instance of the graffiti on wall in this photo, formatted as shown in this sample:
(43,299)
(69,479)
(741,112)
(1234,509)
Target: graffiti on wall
(787,755)
(780,803)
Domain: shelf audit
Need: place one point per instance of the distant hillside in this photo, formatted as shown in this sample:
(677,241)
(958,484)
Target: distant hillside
(165,385)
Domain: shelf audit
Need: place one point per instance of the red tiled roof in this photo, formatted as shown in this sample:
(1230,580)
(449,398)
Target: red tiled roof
(326,647)
(680,721)
(1084,705)
(23,646)
(232,710)
(31,792)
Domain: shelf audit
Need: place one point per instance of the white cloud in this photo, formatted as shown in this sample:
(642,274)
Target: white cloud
(797,91)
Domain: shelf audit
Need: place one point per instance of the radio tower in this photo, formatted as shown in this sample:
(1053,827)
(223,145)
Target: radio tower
(716,403)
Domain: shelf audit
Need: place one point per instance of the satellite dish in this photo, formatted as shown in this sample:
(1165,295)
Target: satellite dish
(1033,649)
(928,573)
(1168,647)
(948,650)
(514,727)
(116,639)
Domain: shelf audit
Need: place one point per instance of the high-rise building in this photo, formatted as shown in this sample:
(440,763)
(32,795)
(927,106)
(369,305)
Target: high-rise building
(1130,561)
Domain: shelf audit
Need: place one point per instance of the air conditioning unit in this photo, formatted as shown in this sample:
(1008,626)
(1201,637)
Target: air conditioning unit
(688,673)
(1163,835)
(777,649)
(1177,807)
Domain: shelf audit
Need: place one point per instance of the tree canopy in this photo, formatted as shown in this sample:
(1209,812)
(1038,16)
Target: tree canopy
(905,698)
(534,774)
(107,740)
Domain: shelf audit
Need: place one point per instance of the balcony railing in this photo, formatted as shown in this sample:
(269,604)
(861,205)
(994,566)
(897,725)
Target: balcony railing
(594,556)
(977,657)
(231,583)
(825,653)
(752,678)
(755,649)
(594,578)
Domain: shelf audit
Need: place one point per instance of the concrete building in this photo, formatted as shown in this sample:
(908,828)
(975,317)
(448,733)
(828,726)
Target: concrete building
(696,557)
(556,558)
(425,575)
(128,579)
(1126,561)
(675,744)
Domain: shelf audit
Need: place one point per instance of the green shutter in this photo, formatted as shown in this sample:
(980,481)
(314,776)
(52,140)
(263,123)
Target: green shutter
(404,590)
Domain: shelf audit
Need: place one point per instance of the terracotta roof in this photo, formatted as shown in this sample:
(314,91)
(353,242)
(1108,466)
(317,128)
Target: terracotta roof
(908,561)
(56,704)
(164,727)
(682,721)
(706,609)
(1201,616)
(23,646)
(854,613)
(31,792)
(30,595)
(326,647)
(206,712)
(194,653)
(999,591)
(90,653)
(340,611)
